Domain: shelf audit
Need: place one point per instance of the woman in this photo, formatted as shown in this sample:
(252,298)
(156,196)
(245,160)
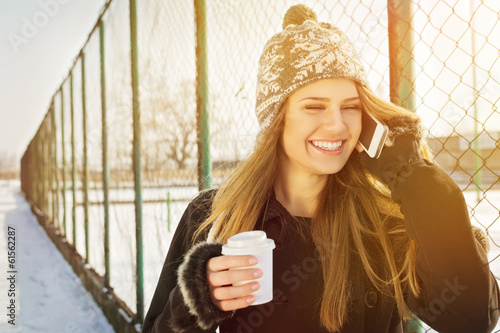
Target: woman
(360,242)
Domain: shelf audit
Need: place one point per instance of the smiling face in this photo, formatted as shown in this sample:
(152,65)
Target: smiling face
(322,127)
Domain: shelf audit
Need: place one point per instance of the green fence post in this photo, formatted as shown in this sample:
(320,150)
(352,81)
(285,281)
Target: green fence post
(85,161)
(204,161)
(29,171)
(402,84)
(41,168)
(137,158)
(105,168)
(33,173)
(73,164)
(53,169)
(45,156)
(478,174)
(63,165)
(38,173)
(402,77)
(34,170)
(46,164)
(50,179)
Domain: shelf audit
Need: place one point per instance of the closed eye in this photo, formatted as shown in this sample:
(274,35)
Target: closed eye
(315,107)
(352,107)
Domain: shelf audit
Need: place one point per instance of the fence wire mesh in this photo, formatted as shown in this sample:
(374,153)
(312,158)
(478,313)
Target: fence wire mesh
(456,87)
(450,60)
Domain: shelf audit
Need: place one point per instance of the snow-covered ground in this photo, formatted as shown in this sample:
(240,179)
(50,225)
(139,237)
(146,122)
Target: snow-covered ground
(48,296)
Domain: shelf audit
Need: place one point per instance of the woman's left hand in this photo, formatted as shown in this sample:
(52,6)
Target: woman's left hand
(389,166)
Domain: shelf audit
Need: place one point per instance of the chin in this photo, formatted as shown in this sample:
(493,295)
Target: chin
(330,171)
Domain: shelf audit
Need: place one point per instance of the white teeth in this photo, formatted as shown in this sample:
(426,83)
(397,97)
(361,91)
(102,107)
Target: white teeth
(327,145)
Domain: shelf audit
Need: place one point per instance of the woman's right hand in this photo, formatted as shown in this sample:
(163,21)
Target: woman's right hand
(220,281)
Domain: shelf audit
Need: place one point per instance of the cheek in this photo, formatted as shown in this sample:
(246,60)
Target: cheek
(295,130)
(355,126)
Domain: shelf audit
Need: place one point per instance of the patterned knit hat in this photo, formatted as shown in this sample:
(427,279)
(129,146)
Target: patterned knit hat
(304,52)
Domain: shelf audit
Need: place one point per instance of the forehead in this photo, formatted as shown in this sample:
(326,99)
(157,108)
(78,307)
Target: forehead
(338,88)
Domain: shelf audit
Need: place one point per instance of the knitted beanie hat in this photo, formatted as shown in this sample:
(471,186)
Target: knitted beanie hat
(304,52)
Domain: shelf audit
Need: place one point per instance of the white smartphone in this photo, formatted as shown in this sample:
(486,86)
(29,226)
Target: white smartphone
(373,135)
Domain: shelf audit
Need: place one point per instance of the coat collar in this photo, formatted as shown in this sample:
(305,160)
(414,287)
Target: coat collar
(275,209)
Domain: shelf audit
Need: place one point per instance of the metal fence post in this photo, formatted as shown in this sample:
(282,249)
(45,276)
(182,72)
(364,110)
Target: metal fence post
(478,175)
(105,168)
(63,177)
(46,159)
(402,85)
(46,166)
(40,168)
(32,179)
(38,171)
(35,174)
(53,142)
(73,164)
(41,139)
(85,162)
(204,160)
(137,159)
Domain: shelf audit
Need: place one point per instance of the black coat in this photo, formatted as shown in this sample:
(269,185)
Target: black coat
(460,294)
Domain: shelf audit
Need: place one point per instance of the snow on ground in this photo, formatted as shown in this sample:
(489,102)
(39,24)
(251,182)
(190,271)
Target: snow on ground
(49,297)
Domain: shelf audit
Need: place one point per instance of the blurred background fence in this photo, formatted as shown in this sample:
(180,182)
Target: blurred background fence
(160,103)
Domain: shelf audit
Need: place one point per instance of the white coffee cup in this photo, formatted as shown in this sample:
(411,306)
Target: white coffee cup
(257,244)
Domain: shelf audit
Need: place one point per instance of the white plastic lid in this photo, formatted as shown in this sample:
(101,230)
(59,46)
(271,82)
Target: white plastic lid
(248,242)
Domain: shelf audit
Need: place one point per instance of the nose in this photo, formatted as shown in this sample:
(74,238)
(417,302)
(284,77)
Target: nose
(333,121)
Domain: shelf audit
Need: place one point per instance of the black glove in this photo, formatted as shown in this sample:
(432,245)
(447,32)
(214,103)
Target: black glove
(395,161)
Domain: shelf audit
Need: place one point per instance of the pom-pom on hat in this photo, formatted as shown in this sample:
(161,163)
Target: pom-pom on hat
(305,51)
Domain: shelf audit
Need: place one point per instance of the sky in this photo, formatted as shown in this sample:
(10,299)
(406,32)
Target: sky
(39,41)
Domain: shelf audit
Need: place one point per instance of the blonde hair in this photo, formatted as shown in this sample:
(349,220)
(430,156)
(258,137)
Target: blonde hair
(375,233)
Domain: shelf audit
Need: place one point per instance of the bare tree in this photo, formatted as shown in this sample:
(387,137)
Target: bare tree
(7,160)
(169,126)
(9,168)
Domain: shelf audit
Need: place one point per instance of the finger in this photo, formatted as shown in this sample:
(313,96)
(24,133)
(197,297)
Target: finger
(227,293)
(235,304)
(221,263)
(359,148)
(223,278)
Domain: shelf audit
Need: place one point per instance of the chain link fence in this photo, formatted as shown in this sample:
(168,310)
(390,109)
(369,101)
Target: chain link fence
(122,150)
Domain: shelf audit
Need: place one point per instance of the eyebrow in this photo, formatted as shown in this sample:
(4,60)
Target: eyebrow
(326,99)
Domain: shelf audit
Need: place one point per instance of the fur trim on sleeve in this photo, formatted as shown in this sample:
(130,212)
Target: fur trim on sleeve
(404,126)
(481,237)
(192,280)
